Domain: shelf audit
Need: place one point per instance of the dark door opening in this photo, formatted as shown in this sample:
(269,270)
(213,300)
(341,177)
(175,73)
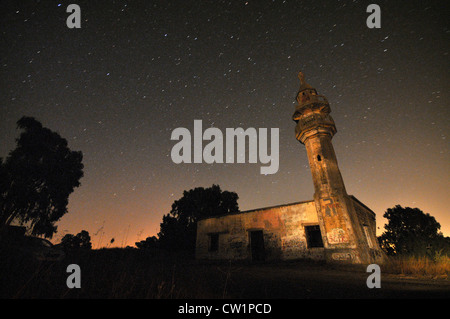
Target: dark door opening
(257,245)
(213,242)
(313,236)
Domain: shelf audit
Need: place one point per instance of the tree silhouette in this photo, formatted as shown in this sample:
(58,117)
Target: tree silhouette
(37,178)
(148,243)
(410,231)
(179,227)
(82,240)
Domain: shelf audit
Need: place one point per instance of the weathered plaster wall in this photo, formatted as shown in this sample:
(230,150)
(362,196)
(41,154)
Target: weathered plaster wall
(283,232)
(367,221)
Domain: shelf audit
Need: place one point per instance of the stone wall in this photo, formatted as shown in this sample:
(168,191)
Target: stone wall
(283,231)
(366,217)
(367,222)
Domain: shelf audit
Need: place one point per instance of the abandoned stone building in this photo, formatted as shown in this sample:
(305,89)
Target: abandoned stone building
(334,226)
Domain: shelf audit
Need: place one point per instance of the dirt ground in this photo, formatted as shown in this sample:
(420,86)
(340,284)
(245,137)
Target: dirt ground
(132,274)
(311,280)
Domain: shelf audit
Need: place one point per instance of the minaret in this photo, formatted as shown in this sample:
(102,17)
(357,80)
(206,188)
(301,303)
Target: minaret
(341,231)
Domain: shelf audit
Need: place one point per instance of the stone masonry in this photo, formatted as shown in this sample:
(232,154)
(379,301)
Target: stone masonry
(334,226)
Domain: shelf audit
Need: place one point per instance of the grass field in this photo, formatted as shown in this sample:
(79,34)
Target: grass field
(137,274)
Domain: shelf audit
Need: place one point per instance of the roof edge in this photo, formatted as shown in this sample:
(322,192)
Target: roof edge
(363,205)
(257,209)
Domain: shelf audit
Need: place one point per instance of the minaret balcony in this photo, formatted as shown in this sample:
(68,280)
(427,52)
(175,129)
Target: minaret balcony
(314,103)
(315,123)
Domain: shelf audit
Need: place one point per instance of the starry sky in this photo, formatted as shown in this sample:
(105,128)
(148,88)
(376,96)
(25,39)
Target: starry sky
(117,87)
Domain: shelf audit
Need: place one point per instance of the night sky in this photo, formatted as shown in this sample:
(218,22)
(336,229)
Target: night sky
(117,87)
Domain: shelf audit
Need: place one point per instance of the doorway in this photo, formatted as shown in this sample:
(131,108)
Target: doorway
(257,245)
(313,236)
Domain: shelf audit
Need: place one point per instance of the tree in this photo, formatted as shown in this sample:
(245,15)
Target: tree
(37,178)
(82,240)
(148,243)
(179,227)
(85,239)
(410,231)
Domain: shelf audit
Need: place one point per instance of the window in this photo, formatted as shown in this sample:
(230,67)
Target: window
(313,236)
(367,233)
(319,158)
(213,242)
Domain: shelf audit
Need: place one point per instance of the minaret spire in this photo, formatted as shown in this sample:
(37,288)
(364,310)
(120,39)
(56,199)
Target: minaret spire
(310,103)
(301,76)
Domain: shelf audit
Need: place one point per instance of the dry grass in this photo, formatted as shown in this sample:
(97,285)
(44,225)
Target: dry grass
(421,267)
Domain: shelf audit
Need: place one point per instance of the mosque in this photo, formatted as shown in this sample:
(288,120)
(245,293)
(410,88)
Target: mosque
(334,226)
